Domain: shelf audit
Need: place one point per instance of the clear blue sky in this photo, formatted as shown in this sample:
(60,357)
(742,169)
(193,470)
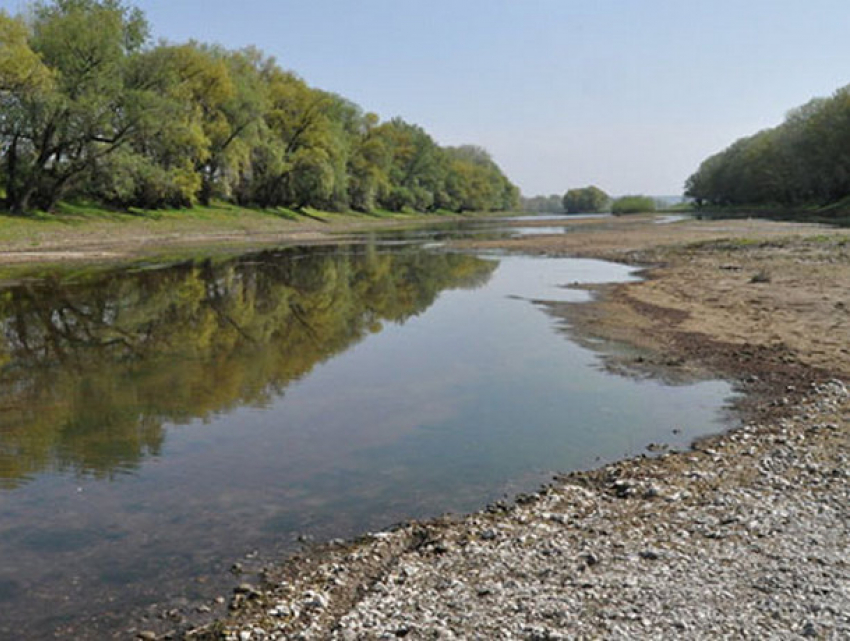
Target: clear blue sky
(627,94)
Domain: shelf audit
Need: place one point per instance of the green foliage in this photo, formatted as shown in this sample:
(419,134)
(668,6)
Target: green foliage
(91,110)
(553,204)
(473,182)
(53,135)
(587,200)
(21,69)
(632,205)
(804,161)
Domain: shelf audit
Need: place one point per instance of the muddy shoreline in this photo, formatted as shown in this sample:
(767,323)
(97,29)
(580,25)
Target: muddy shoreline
(745,535)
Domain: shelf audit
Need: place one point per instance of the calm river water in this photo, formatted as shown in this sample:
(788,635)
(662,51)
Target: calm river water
(159,423)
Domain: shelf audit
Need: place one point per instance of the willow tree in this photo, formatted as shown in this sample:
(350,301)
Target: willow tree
(88,109)
(157,165)
(473,181)
(295,159)
(54,133)
(368,165)
(232,122)
(805,160)
(26,85)
(415,169)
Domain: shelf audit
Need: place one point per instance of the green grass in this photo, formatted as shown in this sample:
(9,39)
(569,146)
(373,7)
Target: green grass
(636,204)
(837,213)
(731,244)
(677,208)
(736,243)
(81,223)
(81,214)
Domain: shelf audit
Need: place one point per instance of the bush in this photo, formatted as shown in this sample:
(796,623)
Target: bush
(587,200)
(633,205)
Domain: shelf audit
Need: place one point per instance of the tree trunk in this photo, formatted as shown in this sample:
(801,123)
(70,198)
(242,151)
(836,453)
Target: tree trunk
(12,202)
(208,173)
(48,199)
(21,203)
(205,193)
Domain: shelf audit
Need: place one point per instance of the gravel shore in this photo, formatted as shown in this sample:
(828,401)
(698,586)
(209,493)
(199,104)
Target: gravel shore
(744,536)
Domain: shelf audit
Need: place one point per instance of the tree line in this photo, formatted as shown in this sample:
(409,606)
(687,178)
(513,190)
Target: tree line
(89,109)
(803,161)
(588,200)
(552,204)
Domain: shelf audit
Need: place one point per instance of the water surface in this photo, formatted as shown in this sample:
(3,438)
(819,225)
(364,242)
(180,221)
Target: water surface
(156,424)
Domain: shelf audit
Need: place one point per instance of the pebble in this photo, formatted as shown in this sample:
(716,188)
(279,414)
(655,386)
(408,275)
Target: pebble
(750,535)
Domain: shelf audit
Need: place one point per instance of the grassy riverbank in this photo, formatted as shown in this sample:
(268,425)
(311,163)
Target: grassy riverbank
(837,213)
(90,232)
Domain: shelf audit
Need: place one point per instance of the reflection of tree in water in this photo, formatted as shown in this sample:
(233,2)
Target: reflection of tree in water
(92,367)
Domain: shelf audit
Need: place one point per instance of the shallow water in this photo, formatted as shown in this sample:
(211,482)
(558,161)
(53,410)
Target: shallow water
(672,218)
(159,423)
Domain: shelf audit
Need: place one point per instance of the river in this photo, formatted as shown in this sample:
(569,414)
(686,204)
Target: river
(161,422)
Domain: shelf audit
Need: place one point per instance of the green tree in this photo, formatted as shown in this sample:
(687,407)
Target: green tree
(89,109)
(21,69)
(54,136)
(368,165)
(633,205)
(416,169)
(805,160)
(233,123)
(298,158)
(25,83)
(475,183)
(586,200)
(160,164)
(552,204)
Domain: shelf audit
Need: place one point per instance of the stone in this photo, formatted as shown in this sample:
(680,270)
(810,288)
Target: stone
(666,571)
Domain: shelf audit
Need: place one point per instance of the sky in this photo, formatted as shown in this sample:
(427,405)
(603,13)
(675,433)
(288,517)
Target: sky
(628,95)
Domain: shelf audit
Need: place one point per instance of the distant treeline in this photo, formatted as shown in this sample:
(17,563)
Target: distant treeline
(553,204)
(803,161)
(90,110)
(589,200)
